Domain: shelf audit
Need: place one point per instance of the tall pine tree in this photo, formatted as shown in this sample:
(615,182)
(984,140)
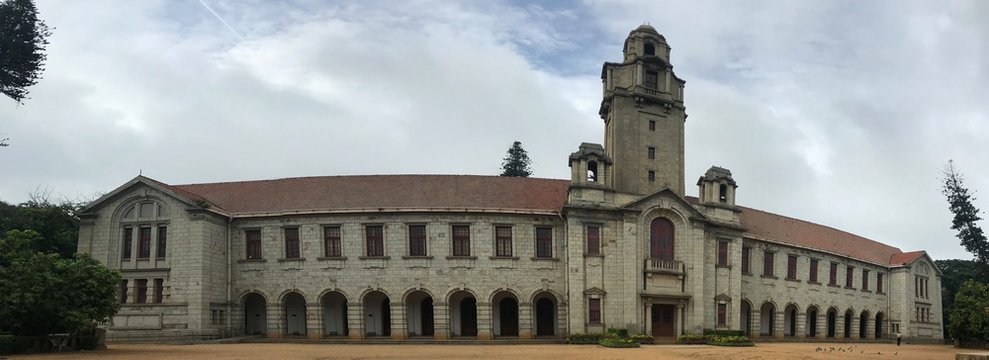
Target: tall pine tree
(23,38)
(966,214)
(516,162)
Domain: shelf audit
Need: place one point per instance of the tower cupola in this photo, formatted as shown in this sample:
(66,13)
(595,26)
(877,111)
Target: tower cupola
(717,187)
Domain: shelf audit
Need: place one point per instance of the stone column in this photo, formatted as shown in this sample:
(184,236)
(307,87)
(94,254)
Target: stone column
(355,321)
(314,321)
(822,326)
(441,321)
(526,323)
(648,318)
(870,329)
(275,319)
(839,327)
(755,322)
(399,326)
(678,321)
(484,321)
(855,328)
(778,323)
(801,325)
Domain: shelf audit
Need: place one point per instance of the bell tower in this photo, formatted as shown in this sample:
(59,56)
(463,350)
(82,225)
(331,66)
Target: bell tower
(644,116)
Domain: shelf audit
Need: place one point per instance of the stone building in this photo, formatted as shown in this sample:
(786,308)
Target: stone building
(618,245)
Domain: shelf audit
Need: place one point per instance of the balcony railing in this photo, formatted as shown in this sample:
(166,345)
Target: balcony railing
(664,266)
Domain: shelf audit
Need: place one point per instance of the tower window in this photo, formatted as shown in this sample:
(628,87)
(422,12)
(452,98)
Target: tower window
(592,171)
(652,79)
(652,125)
(723,193)
(650,49)
(652,152)
(652,175)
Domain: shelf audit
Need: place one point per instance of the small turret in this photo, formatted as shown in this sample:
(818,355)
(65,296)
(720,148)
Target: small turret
(717,187)
(590,166)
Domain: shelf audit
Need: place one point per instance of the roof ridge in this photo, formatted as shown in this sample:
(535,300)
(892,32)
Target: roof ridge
(364,175)
(824,226)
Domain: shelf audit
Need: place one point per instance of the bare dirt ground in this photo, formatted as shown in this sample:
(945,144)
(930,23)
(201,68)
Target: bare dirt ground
(513,352)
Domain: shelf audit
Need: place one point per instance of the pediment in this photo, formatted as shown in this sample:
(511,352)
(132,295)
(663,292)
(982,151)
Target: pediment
(594,291)
(664,195)
(137,183)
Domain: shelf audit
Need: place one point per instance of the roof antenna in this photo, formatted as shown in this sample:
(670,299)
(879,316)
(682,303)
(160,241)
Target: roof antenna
(140,172)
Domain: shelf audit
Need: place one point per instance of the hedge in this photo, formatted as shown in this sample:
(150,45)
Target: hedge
(619,342)
(583,339)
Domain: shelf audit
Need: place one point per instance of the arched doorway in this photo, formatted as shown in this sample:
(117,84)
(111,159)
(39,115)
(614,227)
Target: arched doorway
(767,313)
(863,325)
(545,315)
(377,314)
(661,239)
(463,314)
(419,313)
(832,322)
(879,325)
(746,318)
(505,314)
(255,314)
(848,323)
(812,322)
(790,320)
(334,314)
(294,310)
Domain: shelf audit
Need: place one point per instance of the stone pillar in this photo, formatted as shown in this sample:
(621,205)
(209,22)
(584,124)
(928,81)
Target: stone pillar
(275,318)
(484,321)
(399,327)
(801,325)
(778,323)
(839,327)
(441,321)
(870,329)
(822,326)
(355,321)
(526,323)
(855,328)
(756,323)
(648,318)
(678,321)
(314,321)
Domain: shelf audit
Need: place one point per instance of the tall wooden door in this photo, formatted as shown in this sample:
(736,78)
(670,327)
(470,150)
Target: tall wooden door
(663,320)
(661,239)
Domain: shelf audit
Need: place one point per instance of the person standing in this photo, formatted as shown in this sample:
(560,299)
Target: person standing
(898,337)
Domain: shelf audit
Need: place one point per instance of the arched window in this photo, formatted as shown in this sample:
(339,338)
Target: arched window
(650,49)
(145,223)
(592,171)
(723,193)
(661,239)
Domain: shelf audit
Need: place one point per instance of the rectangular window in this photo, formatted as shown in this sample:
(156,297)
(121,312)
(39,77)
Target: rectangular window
(142,291)
(159,292)
(594,311)
(722,314)
(652,175)
(652,152)
(375,240)
(292,250)
(849,275)
(652,125)
(417,240)
(791,267)
(767,263)
(123,291)
(746,269)
(331,241)
(865,279)
(126,249)
(252,238)
(833,279)
(503,241)
(144,243)
(813,270)
(162,241)
(544,242)
(879,283)
(593,235)
(722,253)
(652,80)
(461,240)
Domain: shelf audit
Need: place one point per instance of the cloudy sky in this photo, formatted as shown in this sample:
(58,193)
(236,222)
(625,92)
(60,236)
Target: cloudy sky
(841,113)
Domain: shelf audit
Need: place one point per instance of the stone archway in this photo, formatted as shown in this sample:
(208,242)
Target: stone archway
(334,306)
(767,313)
(790,321)
(377,314)
(419,313)
(546,316)
(848,323)
(255,314)
(880,318)
(812,315)
(864,324)
(832,323)
(463,313)
(505,314)
(746,318)
(294,312)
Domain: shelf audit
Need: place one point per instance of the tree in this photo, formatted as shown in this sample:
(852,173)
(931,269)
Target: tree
(966,214)
(43,293)
(23,38)
(55,222)
(969,320)
(516,162)
(955,272)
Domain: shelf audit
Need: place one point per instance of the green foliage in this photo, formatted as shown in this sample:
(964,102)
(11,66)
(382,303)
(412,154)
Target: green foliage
(23,38)
(955,273)
(622,333)
(692,339)
(618,342)
(969,319)
(55,222)
(720,340)
(43,293)
(10,344)
(966,214)
(724,332)
(516,162)
(583,339)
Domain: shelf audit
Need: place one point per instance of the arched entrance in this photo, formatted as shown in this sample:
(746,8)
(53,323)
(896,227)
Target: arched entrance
(505,314)
(334,306)
(419,313)
(863,325)
(848,323)
(812,322)
(790,320)
(294,310)
(879,325)
(746,318)
(661,239)
(767,313)
(545,314)
(255,314)
(377,314)
(832,322)
(463,314)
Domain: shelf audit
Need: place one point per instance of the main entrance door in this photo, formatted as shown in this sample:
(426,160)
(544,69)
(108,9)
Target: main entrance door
(663,320)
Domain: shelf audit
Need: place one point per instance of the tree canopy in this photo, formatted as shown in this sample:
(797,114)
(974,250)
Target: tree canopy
(969,321)
(966,214)
(516,162)
(955,272)
(23,38)
(56,223)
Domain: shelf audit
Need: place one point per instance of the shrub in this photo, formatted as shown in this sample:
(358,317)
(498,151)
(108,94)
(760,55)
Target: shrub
(724,332)
(87,342)
(643,338)
(15,344)
(729,340)
(618,342)
(583,339)
(621,333)
(692,339)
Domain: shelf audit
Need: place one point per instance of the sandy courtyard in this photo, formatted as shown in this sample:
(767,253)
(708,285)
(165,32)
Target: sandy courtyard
(513,352)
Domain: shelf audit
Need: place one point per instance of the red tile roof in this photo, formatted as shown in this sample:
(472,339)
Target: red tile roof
(905,258)
(455,192)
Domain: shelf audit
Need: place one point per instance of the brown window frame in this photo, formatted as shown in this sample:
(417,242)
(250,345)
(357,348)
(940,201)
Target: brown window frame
(159,291)
(142,291)
(722,253)
(123,291)
(252,242)
(144,242)
(879,283)
(162,242)
(592,240)
(651,152)
(768,263)
(417,240)
(791,267)
(503,241)
(593,311)
(833,274)
(652,125)
(813,270)
(374,240)
(849,277)
(127,243)
(293,247)
(332,246)
(651,79)
(722,314)
(746,260)
(544,242)
(865,279)
(460,240)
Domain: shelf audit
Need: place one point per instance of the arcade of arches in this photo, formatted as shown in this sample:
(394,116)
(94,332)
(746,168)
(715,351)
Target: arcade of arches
(458,314)
(793,322)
